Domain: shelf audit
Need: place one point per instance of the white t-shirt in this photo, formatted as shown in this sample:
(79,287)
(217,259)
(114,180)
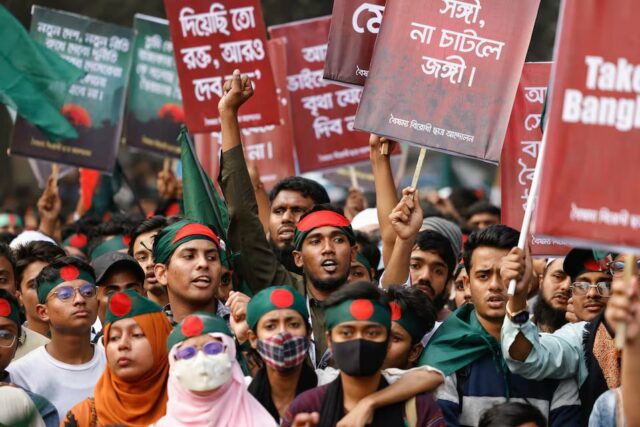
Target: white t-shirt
(63,384)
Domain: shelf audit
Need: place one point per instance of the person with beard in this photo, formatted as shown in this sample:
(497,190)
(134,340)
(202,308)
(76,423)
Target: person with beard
(584,351)
(289,199)
(550,310)
(358,324)
(427,257)
(465,347)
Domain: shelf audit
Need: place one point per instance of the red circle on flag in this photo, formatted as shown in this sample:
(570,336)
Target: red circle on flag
(78,241)
(361,309)
(120,304)
(192,326)
(5,308)
(592,265)
(282,298)
(69,273)
(396,311)
(126,239)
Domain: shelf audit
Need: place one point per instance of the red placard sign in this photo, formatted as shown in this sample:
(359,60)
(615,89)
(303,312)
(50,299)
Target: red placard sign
(210,40)
(444,73)
(322,113)
(354,29)
(588,189)
(520,153)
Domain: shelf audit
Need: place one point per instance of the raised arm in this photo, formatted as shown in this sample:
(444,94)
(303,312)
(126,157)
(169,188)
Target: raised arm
(246,232)
(386,193)
(406,220)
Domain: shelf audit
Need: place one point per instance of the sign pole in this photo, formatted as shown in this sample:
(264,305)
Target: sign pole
(416,173)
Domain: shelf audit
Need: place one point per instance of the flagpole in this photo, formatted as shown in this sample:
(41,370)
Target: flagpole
(528,213)
(416,173)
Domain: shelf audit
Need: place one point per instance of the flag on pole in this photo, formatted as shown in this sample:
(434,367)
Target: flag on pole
(30,72)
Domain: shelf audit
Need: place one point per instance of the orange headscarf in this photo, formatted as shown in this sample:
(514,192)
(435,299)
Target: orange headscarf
(145,401)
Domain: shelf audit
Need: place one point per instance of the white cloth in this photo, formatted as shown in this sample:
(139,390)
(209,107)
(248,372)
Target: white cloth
(30,236)
(63,384)
(17,409)
(32,340)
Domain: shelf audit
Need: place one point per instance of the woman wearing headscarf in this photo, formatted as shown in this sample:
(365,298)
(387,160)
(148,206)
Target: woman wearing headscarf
(133,388)
(206,385)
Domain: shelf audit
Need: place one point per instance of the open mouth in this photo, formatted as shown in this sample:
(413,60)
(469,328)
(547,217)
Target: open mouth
(286,233)
(495,301)
(150,278)
(202,281)
(330,266)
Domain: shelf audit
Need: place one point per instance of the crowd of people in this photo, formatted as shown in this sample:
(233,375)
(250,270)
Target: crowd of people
(308,314)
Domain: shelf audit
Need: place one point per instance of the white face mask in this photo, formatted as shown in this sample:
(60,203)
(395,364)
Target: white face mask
(203,372)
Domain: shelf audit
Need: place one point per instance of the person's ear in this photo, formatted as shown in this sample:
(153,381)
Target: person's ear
(160,271)
(20,299)
(43,312)
(354,252)
(327,336)
(253,339)
(415,352)
(297,258)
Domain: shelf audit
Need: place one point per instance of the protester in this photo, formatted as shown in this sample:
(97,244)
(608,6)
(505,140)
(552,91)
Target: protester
(513,414)
(482,214)
(7,269)
(115,272)
(132,391)
(9,342)
(361,269)
(206,386)
(550,309)
(584,351)
(141,248)
(462,293)
(428,258)
(187,263)
(590,284)
(358,325)
(30,260)
(66,369)
(466,344)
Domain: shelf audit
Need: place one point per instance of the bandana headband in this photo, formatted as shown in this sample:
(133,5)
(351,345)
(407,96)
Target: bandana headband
(319,219)
(408,321)
(195,325)
(359,309)
(275,298)
(66,273)
(10,310)
(114,244)
(127,304)
(171,237)
(361,259)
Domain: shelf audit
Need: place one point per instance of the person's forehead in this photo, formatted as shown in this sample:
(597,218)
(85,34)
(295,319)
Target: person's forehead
(7,324)
(485,257)
(198,244)
(291,198)
(356,265)
(199,340)
(124,323)
(429,256)
(5,265)
(285,313)
(120,274)
(593,277)
(32,270)
(325,231)
(145,238)
(359,324)
(398,329)
(73,283)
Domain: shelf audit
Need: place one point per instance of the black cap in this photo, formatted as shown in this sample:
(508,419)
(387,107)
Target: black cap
(106,262)
(580,261)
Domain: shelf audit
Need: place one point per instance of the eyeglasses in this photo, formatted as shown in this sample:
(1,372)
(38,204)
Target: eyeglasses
(582,288)
(211,349)
(616,268)
(7,338)
(66,293)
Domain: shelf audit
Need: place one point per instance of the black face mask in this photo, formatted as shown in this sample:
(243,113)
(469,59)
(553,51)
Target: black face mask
(359,358)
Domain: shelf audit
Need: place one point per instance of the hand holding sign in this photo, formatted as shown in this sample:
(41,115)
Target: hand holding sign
(235,92)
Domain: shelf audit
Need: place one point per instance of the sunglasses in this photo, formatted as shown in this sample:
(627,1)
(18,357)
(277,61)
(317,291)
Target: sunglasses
(210,349)
(66,293)
(582,288)
(616,268)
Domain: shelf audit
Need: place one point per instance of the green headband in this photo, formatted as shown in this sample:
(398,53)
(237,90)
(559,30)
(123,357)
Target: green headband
(195,325)
(275,298)
(127,304)
(324,218)
(113,244)
(171,237)
(66,273)
(408,320)
(360,258)
(360,309)
(9,309)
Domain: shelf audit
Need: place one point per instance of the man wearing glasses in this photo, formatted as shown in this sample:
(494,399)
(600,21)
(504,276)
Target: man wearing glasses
(66,370)
(584,350)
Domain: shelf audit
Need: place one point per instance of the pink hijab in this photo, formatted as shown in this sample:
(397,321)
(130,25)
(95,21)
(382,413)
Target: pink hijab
(229,405)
